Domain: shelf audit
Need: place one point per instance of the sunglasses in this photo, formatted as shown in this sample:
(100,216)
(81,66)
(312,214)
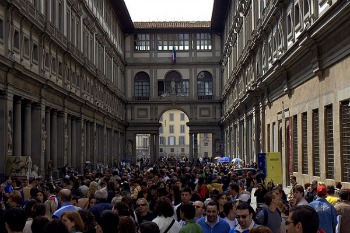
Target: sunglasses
(241,216)
(141,205)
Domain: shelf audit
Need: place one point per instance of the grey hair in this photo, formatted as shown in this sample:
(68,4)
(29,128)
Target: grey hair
(101,194)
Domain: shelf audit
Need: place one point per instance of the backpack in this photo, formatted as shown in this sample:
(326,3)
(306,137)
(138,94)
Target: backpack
(266,215)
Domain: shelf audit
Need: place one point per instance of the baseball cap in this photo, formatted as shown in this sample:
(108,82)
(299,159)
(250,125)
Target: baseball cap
(244,197)
(321,190)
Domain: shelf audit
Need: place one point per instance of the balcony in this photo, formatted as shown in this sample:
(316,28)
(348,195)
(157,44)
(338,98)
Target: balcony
(205,97)
(141,97)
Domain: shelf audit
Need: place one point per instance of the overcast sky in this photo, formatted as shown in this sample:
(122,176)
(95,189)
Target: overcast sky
(170,10)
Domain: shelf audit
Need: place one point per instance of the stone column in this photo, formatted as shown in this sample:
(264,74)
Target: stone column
(74,142)
(94,143)
(152,148)
(54,143)
(36,135)
(156,146)
(69,140)
(8,144)
(17,129)
(104,144)
(28,129)
(262,127)
(195,145)
(48,137)
(60,139)
(88,141)
(191,147)
(43,139)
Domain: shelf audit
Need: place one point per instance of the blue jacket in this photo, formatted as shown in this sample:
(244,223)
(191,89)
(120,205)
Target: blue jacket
(326,213)
(220,227)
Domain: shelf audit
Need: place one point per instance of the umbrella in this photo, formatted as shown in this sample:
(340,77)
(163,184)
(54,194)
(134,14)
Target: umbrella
(236,160)
(224,160)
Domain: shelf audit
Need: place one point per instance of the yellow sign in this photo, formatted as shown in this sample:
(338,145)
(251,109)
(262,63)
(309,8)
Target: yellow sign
(274,167)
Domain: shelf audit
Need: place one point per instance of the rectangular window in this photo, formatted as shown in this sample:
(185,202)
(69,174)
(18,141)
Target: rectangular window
(203,41)
(304,143)
(171,141)
(274,137)
(171,116)
(182,128)
(181,140)
(171,128)
(16,39)
(329,142)
(182,117)
(161,129)
(26,46)
(166,42)
(172,150)
(183,150)
(295,143)
(142,42)
(53,66)
(345,139)
(1,29)
(35,52)
(316,142)
(161,140)
(60,68)
(47,60)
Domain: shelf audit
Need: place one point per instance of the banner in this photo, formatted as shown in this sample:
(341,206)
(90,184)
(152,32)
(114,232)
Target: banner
(274,167)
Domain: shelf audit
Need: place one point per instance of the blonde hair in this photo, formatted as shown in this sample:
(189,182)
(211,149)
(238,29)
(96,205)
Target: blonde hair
(75,217)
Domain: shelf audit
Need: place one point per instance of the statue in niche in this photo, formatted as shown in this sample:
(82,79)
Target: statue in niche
(9,132)
(173,86)
(34,172)
(49,169)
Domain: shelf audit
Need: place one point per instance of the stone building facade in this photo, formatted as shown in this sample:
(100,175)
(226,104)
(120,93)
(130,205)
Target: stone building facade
(62,82)
(286,85)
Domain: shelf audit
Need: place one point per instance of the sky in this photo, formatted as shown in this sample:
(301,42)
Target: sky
(170,10)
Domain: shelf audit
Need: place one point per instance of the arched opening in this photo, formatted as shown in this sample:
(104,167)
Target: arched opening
(141,86)
(174,136)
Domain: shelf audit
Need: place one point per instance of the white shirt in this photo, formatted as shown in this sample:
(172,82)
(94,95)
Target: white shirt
(163,223)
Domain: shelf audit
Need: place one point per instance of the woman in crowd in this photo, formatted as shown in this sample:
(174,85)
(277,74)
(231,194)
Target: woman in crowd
(165,212)
(221,199)
(72,221)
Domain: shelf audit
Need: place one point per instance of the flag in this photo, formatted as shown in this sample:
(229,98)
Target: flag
(174,56)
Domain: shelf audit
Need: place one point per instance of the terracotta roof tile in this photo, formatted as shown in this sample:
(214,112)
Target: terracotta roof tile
(174,24)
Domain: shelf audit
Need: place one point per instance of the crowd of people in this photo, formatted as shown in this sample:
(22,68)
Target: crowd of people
(170,197)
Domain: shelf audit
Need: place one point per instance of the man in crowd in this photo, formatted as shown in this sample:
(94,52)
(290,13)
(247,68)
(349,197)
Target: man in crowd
(270,216)
(343,211)
(298,197)
(185,198)
(142,212)
(101,196)
(302,219)
(187,214)
(199,206)
(65,197)
(244,216)
(212,222)
(326,211)
(15,220)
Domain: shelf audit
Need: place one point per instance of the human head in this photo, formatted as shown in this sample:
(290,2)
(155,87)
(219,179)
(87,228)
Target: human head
(212,211)
(260,229)
(269,198)
(101,195)
(303,219)
(234,189)
(293,180)
(88,220)
(121,208)
(199,206)
(107,222)
(321,191)
(39,223)
(65,195)
(187,211)
(15,199)
(330,190)
(344,195)
(244,198)
(164,207)
(15,219)
(72,220)
(222,199)
(147,227)
(229,207)
(244,215)
(298,192)
(55,226)
(142,206)
(186,195)
(126,224)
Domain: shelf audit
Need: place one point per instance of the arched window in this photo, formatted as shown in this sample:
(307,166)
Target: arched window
(141,86)
(204,85)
